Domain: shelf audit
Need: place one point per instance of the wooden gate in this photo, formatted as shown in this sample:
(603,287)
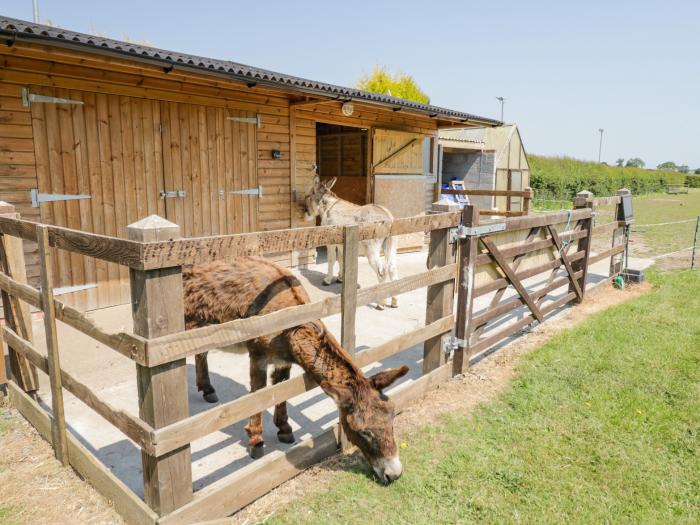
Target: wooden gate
(126,158)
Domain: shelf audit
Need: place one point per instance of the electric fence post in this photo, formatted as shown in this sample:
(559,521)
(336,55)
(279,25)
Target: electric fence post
(695,243)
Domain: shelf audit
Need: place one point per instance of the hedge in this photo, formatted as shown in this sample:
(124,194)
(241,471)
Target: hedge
(563,177)
(693,181)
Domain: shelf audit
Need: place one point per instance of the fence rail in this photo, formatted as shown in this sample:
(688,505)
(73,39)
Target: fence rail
(519,266)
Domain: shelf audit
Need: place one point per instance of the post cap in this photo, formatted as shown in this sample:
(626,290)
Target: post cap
(153,228)
(624,191)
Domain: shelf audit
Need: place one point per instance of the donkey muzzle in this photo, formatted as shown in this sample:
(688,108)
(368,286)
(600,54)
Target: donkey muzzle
(388,470)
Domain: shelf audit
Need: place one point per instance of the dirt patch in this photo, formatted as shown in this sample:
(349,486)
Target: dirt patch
(481,384)
(36,489)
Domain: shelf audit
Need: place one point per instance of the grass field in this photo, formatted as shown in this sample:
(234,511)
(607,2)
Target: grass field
(602,425)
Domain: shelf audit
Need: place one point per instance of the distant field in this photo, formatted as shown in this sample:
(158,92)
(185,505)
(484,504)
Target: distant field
(602,425)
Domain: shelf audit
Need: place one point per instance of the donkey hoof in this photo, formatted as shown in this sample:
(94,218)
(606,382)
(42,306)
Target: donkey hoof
(211,397)
(394,303)
(326,282)
(257,451)
(286,437)
(380,306)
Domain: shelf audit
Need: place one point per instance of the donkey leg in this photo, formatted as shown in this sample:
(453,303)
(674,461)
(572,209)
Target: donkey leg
(391,266)
(203,383)
(284,434)
(328,280)
(339,255)
(375,262)
(258,380)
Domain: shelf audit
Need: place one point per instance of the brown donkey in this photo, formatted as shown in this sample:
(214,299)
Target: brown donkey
(218,292)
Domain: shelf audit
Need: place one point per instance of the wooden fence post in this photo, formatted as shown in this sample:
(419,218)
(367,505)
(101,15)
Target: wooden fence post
(348,305)
(616,267)
(58,418)
(583,199)
(527,200)
(440,297)
(468,251)
(17,312)
(158,309)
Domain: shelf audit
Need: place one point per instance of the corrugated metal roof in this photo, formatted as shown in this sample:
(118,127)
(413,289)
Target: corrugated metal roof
(473,135)
(13,28)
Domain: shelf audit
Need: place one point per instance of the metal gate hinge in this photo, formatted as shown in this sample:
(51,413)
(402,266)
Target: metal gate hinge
(252,191)
(172,194)
(28,98)
(38,198)
(248,120)
(462,231)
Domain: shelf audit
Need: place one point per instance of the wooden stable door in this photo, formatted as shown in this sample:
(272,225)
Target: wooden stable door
(210,174)
(399,178)
(105,161)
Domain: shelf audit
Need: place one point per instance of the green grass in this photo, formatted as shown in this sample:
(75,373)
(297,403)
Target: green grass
(650,209)
(602,425)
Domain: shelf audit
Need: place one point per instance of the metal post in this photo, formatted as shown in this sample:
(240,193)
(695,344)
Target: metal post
(600,146)
(695,242)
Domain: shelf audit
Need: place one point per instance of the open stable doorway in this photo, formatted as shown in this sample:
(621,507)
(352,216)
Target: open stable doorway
(342,151)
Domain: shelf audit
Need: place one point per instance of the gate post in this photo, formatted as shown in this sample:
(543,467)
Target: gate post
(157,308)
(468,251)
(616,267)
(584,199)
(17,312)
(440,302)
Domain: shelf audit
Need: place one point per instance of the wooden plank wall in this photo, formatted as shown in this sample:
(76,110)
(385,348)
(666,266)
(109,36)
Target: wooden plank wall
(17,164)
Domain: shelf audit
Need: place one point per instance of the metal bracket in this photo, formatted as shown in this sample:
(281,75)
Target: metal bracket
(38,198)
(172,194)
(248,120)
(469,231)
(450,343)
(28,98)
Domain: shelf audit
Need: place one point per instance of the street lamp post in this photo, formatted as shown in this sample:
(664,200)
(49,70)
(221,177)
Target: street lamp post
(502,100)
(600,145)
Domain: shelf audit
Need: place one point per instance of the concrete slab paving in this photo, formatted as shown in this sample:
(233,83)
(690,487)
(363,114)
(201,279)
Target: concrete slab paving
(113,377)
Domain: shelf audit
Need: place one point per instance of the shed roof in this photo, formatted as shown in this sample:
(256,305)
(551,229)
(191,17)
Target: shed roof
(478,138)
(13,29)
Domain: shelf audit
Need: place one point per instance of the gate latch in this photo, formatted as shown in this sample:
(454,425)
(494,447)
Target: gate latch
(450,343)
(172,194)
(462,231)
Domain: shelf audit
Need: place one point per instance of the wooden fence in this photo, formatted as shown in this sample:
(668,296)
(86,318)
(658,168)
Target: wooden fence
(465,258)
(526,195)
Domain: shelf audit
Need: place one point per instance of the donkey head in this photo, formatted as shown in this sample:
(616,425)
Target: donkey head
(314,200)
(367,417)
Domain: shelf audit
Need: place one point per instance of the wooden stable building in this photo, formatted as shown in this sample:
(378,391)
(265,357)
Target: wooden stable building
(96,134)
(490,158)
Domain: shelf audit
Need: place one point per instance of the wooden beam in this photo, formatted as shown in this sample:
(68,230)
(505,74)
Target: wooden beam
(197,250)
(440,297)
(605,254)
(104,247)
(583,202)
(180,345)
(158,309)
(58,418)
(486,193)
(348,307)
(126,503)
(532,221)
(303,103)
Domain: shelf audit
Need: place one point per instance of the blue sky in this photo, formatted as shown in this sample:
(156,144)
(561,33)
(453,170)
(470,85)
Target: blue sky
(565,68)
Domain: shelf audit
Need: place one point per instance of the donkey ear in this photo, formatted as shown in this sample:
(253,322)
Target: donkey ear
(383,379)
(341,395)
(329,184)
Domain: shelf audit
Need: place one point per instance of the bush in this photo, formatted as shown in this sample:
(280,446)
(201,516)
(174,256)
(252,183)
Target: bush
(564,177)
(693,181)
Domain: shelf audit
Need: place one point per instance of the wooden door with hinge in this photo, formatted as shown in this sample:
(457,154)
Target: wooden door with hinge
(99,168)
(399,178)
(209,159)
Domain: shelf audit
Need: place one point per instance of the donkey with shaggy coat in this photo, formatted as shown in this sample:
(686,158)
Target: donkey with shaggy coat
(218,292)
